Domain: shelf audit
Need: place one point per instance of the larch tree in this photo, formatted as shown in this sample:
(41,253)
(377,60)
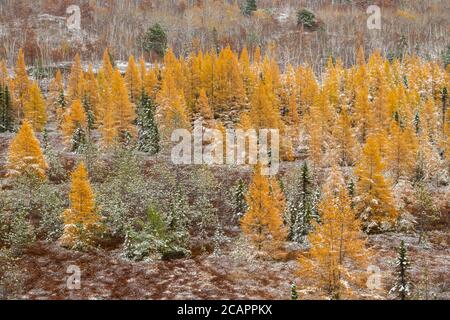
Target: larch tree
(202,107)
(75,82)
(337,243)
(374,202)
(107,66)
(401,152)
(25,156)
(344,138)
(263,221)
(21,83)
(75,126)
(35,110)
(124,110)
(81,221)
(108,128)
(55,89)
(133,80)
(363,113)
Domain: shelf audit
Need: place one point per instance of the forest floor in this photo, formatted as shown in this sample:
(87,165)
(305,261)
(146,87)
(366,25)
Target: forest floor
(106,275)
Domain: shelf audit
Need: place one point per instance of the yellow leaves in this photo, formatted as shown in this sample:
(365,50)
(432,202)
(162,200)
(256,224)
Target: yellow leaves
(202,106)
(335,242)
(375,202)
(401,152)
(74,118)
(124,110)
(21,82)
(80,220)
(25,155)
(133,80)
(35,108)
(263,222)
(75,84)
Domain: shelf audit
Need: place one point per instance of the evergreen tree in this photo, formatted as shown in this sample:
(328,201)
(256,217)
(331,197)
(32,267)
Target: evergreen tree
(250,7)
(301,207)
(149,139)
(294,294)
(88,109)
(403,285)
(155,40)
(78,141)
(239,202)
(6,111)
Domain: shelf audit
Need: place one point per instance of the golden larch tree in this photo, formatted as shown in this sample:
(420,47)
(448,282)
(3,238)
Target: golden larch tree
(25,154)
(75,82)
(124,110)
(21,83)
(401,152)
(337,242)
(108,128)
(202,106)
(263,221)
(81,221)
(133,80)
(35,110)
(374,203)
(74,118)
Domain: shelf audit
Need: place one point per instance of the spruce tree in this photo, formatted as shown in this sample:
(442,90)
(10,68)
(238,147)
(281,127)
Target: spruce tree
(6,119)
(78,140)
(155,40)
(149,139)
(294,294)
(250,7)
(302,206)
(87,105)
(239,202)
(403,285)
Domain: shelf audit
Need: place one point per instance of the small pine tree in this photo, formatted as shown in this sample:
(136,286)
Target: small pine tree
(306,18)
(294,294)
(403,285)
(250,7)
(301,206)
(6,111)
(155,40)
(90,117)
(149,139)
(239,202)
(61,105)
(78,140)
